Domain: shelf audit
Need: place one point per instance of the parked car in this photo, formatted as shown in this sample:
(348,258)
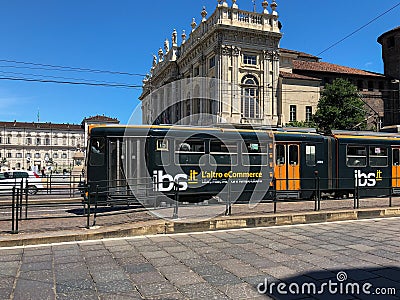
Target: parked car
(10,179)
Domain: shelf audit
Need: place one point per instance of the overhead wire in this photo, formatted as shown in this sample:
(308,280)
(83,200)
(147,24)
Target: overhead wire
(70,82)
(65,80)
(66,68)
(61,77)
(359,29)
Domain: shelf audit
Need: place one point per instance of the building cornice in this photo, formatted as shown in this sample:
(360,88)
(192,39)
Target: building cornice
(40,126)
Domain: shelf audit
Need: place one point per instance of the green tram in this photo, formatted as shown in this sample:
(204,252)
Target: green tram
(152,163)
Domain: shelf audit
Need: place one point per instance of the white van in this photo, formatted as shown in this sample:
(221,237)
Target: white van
(10,179)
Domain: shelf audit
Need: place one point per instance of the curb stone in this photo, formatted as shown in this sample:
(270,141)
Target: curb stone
(219,223)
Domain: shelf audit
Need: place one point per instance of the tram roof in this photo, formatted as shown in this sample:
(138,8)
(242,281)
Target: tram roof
(347,134)
(119,129)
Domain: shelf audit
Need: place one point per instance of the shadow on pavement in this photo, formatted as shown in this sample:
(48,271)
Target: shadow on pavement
(104,209)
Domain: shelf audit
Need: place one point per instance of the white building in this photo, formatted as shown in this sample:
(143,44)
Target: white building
(52,146)
(36,145)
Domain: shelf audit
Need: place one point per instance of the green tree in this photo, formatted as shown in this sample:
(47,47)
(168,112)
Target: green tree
(340,107)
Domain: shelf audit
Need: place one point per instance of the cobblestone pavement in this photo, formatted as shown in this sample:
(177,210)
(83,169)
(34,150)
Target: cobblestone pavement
(212,265)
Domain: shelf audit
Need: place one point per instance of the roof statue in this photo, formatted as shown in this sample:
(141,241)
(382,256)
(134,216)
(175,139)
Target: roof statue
(273,7)
(204,14)
(193,24)
(234,5)
(160,55)
(265,5)
(174,37)
(166,45)
(274,14)
(183,36)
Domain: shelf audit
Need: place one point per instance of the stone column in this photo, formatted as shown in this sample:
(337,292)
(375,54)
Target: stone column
(275,77)
(235,98)
(267,82)
(224,95)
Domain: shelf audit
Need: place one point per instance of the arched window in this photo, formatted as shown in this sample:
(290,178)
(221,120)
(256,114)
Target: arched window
(250,97)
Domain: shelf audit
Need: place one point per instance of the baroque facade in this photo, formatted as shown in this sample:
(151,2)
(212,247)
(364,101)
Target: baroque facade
(232,68)
(238,51)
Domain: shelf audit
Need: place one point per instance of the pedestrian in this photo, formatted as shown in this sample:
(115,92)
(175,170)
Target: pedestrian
(43,172)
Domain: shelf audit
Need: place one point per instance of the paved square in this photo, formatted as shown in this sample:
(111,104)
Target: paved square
(213,265)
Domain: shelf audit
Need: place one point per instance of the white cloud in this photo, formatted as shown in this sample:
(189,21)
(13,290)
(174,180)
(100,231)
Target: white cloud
(11,106)
(368,64)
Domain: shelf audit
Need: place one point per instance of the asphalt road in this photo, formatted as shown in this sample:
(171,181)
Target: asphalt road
(234,264)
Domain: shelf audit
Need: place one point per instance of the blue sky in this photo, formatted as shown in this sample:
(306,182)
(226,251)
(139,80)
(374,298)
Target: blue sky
(122,35)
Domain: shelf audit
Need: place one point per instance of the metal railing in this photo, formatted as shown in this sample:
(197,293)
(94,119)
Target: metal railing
(22,197)
(330,189)
(139,194)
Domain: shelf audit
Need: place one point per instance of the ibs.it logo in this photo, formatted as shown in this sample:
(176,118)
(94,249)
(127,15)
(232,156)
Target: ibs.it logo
(370,179)
(165,182)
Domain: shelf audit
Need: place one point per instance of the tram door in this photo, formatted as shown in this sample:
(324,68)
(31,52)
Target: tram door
(115,174)
(287,166)
(396,169)
(133,164)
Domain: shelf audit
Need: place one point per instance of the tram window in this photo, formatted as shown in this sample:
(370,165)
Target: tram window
(378,156)
(293,155)
(188,152)
(223,153)
(280,155)
(254,154)
(356,156)
(310,155)
(21,175)
(161,156)
(97,151)
(396,157)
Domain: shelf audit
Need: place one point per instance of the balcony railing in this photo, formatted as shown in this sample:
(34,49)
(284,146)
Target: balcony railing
(232,17)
